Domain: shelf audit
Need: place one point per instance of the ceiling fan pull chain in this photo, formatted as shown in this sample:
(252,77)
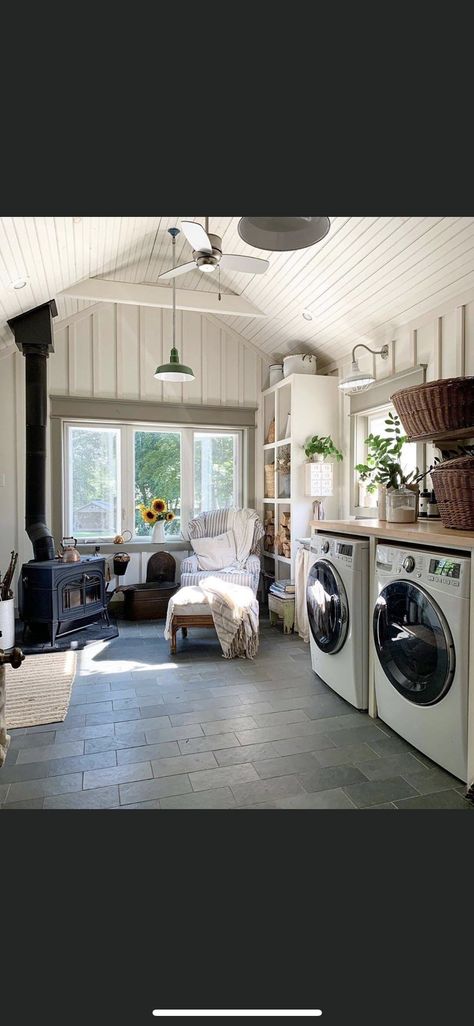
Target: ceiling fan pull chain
(206,221)
(219,273)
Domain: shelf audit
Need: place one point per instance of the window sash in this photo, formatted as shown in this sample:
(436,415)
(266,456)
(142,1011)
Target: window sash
(126,470)
(360,429)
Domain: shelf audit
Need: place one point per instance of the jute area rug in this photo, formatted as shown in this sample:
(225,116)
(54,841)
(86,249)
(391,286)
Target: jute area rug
(40,690)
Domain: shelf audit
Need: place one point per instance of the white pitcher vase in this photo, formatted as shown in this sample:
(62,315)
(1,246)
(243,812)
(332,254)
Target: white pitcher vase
(158,533)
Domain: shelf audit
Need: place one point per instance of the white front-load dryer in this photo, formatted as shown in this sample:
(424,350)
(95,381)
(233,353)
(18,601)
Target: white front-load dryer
(421,638)
(337,603)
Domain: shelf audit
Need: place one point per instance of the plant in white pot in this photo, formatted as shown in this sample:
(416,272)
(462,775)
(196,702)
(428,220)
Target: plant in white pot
(383,470)
(321,447)
(156,514)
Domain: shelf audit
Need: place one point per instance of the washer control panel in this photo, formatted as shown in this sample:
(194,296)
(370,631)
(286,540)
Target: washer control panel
(433,568)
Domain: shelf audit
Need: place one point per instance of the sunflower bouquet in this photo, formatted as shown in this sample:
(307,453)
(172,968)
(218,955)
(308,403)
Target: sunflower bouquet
(156,511)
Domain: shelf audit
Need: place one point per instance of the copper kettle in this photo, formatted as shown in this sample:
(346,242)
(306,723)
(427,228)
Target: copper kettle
(69,552)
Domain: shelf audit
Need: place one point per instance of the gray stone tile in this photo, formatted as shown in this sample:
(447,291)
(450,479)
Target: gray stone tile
(223,776)
(260,791)
(384,805)
(117,775)
(238,723)
(279,732)
(43,788)
(325,778)
(80,763)
(173,733)
(31,740)
(245,753)
(133,703)
(212,743)
(440,800)
(283,717)
(247,691)
(323,706)
(165,750)
(85,733)
(353,754)
(45,752)
(355,735)
(154,804)
(384,768)
(4,788)
(428,781)
(141,725)
(112,744)
(29,803)
(376,792)
(11,772)
(115,716)
(308,743)
(158,787)
(335,798)
(391,746)
(217,798)
(184,764)
(87,708)
(101,798)
(285,765)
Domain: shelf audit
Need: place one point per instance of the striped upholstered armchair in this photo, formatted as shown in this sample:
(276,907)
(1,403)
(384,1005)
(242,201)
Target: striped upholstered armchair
(208,525)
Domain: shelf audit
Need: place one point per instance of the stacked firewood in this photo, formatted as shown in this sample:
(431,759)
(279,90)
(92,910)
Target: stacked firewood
(283,537)
(269,537)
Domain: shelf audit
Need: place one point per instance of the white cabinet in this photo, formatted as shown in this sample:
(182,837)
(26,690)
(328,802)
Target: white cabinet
(299,406)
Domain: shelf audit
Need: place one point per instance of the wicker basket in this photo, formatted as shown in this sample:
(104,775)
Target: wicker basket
(270,433)
(453,482)
(437,406)
(269,480)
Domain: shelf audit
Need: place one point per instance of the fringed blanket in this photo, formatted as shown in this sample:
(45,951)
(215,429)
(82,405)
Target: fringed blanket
(234,610)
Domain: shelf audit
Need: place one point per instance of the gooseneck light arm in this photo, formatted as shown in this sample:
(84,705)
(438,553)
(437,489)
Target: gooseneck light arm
(383,352)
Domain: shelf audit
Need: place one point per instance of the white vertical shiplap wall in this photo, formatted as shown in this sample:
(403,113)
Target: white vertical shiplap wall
(114,351)
(443,339)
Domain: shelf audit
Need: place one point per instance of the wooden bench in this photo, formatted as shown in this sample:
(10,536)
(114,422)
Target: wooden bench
(182,621)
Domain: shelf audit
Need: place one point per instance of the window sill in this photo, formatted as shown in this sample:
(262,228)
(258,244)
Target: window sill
(135,546)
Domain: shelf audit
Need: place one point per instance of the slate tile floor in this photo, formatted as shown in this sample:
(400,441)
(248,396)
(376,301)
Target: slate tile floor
(146,730)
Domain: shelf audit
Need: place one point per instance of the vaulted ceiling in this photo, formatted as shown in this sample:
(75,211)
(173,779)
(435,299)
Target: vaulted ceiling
(364,279)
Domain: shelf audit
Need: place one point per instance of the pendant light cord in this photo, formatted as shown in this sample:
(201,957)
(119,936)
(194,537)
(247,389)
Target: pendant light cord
(174,294)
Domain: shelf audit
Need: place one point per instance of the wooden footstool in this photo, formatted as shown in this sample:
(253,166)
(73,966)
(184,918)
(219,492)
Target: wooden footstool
(282,609)
(195,614)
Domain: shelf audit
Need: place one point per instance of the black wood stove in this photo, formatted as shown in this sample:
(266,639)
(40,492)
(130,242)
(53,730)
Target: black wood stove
(58,598)
(55,597)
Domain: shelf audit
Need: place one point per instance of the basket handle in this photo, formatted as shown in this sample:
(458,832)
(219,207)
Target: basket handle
(126,532)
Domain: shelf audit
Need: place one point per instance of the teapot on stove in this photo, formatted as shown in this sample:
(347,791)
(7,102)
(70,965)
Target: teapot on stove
(69,553)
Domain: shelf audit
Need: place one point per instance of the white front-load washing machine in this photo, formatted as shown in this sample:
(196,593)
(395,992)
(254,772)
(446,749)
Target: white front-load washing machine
(421,637)
(337,602)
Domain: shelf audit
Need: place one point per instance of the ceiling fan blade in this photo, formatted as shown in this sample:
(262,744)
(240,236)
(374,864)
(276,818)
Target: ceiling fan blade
(175,271)
(196,236)
(236,262)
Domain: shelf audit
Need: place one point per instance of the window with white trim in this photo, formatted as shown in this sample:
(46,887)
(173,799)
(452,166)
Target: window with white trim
(110,470)
(369,422)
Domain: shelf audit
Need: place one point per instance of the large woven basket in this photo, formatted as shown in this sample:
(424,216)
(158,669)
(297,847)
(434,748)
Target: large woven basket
(453,482)
(437,406)
(269,480)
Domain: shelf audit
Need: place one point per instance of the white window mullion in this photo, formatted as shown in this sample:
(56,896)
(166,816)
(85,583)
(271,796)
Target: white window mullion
(187,477)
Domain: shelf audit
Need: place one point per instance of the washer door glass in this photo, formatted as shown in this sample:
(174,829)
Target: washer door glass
(328,608)
(413,643)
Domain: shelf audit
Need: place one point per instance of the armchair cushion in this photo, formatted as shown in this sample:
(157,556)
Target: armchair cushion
(215,553)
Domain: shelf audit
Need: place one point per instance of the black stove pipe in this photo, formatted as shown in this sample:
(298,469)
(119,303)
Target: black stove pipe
(34,338)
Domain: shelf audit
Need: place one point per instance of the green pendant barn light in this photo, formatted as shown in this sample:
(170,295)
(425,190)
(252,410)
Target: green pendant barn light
(174,370)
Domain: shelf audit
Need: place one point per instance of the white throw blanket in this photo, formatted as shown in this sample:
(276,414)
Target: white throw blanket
(234,610)
(242,523)
(304,559)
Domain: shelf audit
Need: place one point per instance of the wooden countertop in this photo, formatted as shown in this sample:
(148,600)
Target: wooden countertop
(418,533)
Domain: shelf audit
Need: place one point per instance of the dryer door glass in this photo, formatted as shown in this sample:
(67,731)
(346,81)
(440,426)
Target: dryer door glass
(413,643)
(328,608)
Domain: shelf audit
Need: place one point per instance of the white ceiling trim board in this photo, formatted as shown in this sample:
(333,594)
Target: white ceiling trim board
(131,293)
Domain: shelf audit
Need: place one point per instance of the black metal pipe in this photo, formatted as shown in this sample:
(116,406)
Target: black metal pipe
(33,336)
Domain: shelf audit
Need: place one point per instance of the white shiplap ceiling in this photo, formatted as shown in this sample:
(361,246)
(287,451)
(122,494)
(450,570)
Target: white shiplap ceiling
(369,274)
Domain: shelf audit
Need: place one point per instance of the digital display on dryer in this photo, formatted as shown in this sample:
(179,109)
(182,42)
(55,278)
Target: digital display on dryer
(344,550)
(445,568)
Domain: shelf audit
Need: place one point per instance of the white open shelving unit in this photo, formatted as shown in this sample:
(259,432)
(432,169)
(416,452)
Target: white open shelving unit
(302,405)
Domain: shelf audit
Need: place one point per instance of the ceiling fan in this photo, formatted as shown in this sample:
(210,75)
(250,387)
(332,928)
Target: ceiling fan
(208,255)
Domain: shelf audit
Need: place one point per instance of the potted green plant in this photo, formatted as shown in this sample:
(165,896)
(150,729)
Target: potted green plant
(383,469)
(322,447)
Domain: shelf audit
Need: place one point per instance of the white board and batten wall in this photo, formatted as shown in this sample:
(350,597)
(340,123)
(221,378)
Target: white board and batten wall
(442,338)
(111,351)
